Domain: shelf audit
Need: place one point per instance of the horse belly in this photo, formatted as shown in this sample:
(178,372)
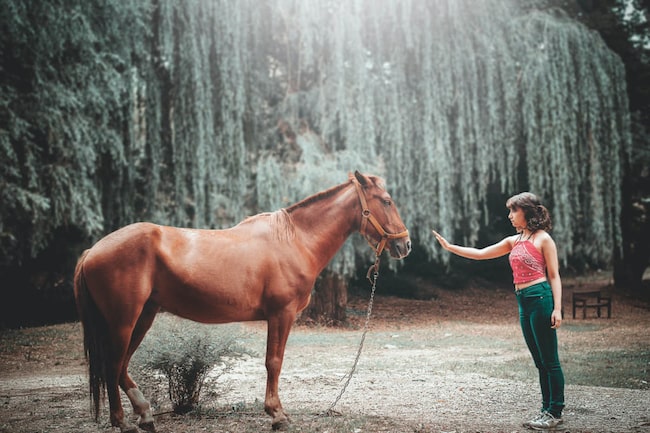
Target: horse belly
(211,295)
(211,311)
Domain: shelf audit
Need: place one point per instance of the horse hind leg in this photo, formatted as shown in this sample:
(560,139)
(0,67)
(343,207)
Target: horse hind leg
(140,404)
(142,408)
(120,342)
(125,341)
(105,344)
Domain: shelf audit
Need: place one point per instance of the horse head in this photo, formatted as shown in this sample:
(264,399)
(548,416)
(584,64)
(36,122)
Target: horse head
(386,228)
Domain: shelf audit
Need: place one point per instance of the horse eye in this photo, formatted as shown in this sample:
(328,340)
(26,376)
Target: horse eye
(387,202)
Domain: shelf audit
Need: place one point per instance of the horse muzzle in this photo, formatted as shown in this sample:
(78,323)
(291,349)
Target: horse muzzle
(399,248)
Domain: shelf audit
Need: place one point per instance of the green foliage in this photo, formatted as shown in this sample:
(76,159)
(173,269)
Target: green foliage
(119,111)
(190,356)
(62,110)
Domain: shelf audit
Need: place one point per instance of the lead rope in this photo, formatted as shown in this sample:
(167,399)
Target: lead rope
(374,269)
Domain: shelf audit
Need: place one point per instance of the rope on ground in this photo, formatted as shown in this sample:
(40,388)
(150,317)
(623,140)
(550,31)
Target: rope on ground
(374,271)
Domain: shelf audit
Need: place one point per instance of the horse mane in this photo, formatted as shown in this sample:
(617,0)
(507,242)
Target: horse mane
(281,221)
(316,197)
(282,225)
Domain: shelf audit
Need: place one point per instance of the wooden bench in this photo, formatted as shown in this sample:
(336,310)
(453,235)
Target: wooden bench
(593,299)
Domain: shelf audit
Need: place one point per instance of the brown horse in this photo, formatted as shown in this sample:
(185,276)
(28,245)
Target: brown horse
(264,268)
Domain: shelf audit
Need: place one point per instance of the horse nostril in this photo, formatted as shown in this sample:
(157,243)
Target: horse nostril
(408,246)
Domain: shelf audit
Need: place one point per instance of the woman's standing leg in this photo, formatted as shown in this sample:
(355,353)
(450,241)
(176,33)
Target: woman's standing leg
(547,346)
(535,308)
(525,318)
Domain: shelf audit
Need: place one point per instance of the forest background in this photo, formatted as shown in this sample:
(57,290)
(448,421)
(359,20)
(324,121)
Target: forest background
(199,113)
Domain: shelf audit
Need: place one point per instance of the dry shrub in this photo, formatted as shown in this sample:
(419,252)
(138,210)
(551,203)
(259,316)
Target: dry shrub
(190,356)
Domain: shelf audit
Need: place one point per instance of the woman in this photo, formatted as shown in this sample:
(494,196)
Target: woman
(534,262)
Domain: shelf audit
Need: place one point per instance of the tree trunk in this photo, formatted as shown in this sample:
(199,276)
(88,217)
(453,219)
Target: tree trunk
(629,273)
(629,269)
(328,301)
(635,212)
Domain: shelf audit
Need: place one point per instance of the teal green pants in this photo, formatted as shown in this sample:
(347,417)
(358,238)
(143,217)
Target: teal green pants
(535,308)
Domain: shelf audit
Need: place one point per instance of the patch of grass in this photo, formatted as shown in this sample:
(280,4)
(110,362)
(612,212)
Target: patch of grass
(609,368)
(251,418)
(15,339)
(582,327)
(43,342)
(617,368)
(323,339)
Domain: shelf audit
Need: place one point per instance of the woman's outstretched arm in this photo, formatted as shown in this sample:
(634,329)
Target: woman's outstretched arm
(490,252)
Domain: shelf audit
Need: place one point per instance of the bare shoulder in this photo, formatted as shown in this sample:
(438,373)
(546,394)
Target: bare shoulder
(544,235)
(544,238)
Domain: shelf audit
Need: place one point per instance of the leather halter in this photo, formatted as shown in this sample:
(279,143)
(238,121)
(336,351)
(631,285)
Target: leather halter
(366,216)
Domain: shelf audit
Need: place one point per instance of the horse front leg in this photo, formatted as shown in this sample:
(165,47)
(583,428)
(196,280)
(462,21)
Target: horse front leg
(278,332)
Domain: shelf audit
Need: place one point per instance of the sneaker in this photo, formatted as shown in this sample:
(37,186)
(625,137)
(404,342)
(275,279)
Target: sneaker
(545,422)
(537,418)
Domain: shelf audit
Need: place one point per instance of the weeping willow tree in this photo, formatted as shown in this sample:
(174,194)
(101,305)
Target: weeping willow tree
(459,98)
(172,111)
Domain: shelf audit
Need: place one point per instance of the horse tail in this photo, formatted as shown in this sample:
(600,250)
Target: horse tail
(96,337)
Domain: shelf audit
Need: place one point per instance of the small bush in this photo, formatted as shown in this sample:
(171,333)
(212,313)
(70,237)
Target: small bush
(189,355)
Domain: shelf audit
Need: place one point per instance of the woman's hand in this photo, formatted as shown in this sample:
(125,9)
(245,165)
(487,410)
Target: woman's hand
(442,241)
(556,319)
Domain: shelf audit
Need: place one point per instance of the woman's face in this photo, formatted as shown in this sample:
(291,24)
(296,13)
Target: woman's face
(517,218)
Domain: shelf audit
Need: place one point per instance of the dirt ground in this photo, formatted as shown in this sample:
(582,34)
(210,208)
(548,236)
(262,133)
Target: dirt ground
(455,363)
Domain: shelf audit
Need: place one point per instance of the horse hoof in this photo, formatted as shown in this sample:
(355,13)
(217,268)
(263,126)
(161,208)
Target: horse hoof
(280,425)
(148,426)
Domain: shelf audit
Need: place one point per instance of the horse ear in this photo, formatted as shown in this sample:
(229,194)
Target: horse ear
(363,180)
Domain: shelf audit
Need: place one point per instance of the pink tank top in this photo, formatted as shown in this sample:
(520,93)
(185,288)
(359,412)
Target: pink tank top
(527,262)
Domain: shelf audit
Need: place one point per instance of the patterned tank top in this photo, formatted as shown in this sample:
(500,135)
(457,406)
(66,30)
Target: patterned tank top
(527,262)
